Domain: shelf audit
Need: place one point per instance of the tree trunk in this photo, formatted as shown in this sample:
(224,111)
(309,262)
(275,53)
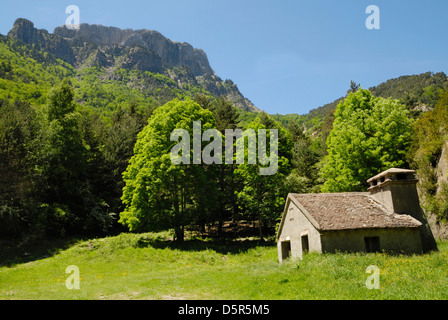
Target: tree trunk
(178,209)
(260,230)
(179,234)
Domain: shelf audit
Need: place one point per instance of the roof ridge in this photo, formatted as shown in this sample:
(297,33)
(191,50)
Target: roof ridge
(349,210)
(357,193)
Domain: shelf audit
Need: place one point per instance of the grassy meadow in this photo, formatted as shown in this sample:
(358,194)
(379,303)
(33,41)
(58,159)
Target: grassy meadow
(148,266)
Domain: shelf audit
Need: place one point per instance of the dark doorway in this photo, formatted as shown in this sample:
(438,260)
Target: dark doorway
(286,249)
(305,244)
(372,244)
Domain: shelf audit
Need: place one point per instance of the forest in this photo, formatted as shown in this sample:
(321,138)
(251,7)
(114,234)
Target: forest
(86,151)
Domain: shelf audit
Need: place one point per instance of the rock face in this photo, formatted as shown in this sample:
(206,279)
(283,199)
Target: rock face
(441,173)
(171,53)
(144,50)
(24,30)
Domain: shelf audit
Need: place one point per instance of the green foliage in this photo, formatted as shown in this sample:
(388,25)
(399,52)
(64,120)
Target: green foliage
(262,197)
(63,152)
(27,74)
(226,185)
(225,114)
(64,159)
(287,119)
(18,133)
(415,90)
(69,166)
(54,175)
(353,87)
(245,118)
(369,135)
(159,194)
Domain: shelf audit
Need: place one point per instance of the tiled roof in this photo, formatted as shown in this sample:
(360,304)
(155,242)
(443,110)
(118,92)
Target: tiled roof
(352,210)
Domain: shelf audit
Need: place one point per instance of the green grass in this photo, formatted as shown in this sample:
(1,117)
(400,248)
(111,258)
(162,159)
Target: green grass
(147,266)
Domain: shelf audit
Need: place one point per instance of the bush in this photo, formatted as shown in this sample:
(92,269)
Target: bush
(11,221)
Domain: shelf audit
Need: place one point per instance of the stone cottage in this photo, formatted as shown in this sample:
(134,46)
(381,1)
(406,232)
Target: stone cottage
(386,218)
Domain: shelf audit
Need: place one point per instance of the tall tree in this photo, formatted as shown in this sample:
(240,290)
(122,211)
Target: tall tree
(118,148)
(158,192)
(353,87)
(226,118)
(369,135)
(262,197)
(18,133)
(64,151)
(63,158)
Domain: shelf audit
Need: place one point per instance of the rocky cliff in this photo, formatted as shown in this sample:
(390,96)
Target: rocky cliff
(171,53)
(145,50)
(440,228)
(24,30)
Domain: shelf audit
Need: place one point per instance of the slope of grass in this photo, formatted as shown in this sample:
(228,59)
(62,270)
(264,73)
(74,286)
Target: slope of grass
(147,266)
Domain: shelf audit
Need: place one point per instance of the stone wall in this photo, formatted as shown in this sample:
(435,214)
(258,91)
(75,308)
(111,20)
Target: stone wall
(393,240)
(295,226)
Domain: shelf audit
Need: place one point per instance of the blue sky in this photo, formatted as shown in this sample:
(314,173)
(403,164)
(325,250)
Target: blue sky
(286,56)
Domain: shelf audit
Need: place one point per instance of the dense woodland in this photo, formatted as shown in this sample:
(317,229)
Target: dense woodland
(86,151)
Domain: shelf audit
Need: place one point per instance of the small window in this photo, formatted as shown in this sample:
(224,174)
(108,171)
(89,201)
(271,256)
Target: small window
(372,244)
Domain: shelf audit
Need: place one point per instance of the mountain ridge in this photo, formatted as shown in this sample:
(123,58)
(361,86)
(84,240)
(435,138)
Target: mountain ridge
(172,53)
(111,48)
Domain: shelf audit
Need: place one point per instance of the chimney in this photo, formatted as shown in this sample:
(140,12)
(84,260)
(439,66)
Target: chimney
(396,190)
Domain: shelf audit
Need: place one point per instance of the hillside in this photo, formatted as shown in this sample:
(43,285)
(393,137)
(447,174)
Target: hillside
(418,92)
(142,65)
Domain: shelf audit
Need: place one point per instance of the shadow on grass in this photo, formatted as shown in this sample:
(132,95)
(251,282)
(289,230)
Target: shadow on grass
(219,245)
(13,252)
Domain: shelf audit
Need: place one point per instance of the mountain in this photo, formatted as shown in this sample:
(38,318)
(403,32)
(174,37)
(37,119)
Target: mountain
(24,30)
(110,51)
(146,67)
(160,50)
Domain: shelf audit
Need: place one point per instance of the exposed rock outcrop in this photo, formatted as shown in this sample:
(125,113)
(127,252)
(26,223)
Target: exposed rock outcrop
(24,30)
(144,50)
(171,53)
